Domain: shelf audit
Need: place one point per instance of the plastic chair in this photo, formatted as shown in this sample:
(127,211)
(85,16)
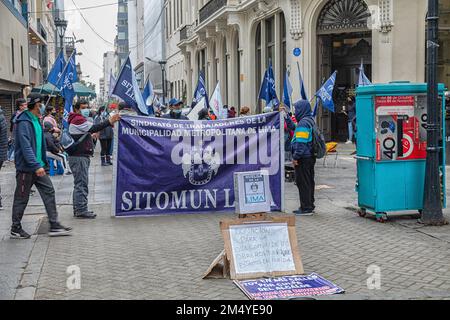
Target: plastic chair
(51,163)
(59,168)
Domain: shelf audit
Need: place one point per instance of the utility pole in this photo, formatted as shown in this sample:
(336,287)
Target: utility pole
(432,211)
(163,63)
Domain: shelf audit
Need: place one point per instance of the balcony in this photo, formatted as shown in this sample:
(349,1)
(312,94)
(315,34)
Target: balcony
(186,32)
(211,8)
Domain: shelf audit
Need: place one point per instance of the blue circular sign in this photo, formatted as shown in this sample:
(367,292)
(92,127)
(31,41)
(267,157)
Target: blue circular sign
(297,52)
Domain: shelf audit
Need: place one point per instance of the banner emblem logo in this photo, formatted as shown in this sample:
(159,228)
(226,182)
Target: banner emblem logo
(201,165)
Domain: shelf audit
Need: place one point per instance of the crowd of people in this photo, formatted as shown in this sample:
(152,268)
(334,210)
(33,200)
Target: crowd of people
(36,134)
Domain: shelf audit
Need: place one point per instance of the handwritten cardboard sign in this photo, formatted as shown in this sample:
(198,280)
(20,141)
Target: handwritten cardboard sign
(261,248)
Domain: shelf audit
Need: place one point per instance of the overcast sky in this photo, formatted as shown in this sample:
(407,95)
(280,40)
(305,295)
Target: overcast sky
(103,20)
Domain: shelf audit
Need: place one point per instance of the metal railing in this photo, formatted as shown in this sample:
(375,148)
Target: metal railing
(210,8)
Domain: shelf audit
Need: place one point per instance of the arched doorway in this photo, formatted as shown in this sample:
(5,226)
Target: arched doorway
(344,41)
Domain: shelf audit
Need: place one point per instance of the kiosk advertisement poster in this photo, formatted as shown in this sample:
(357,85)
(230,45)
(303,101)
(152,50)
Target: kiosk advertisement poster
(180,167)
(401,127)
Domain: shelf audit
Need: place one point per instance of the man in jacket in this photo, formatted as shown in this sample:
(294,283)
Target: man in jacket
(303,155)
(105,136)
(30,163)
(3,145)
(176,110)
(21,106)
(79,159)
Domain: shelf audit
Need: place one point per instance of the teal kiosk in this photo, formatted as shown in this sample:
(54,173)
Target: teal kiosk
(391,148)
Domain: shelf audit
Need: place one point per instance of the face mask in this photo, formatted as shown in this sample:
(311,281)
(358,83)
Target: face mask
(177,112)
(54,114)
(85,113)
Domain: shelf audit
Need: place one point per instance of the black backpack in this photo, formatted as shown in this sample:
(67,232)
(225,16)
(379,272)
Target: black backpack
(318,142)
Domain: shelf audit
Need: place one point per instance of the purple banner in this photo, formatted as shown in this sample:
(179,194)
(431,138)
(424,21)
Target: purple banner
(288,287)
(180,167)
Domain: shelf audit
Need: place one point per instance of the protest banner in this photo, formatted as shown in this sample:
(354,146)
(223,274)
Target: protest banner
(289,287)
(167,167)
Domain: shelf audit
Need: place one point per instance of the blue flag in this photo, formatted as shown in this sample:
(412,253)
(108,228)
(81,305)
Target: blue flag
(55,75)
(287,91)
(302,84)
(67,92)
(363,80)
(200,91)
(148,96)
(112,83)
(268,92)
(127,89)
(325,93)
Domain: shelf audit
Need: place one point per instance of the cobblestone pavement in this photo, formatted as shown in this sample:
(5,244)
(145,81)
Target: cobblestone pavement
(165,257)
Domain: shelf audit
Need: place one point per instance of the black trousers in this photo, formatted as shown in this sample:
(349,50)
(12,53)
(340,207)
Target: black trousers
(304,177)
(24,182)
(106,146)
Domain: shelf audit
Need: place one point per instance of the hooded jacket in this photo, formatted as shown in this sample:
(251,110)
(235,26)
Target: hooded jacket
(3,137)
(25,145)
(301,145)
(78,127)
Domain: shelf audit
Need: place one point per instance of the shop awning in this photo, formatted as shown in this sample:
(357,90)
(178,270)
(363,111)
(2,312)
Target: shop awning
(80,90)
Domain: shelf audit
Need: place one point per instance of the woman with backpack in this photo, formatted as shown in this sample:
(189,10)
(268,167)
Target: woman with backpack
(303,155)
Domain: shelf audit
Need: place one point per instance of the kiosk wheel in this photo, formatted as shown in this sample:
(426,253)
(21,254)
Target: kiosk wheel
(362,212)
(381,217)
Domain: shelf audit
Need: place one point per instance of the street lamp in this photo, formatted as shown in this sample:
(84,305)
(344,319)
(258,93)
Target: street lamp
(61,26)
(432,208)
(162,63)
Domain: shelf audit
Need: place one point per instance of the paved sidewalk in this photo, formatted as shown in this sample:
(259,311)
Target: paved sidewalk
(165,257)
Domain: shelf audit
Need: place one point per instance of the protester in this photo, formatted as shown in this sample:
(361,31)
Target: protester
(30,156)
(50,115)
(232,112)
(204,114)
(54,150)
(244,112)
(79,159)
(105,136)
(125,109)
(21,106)
(3,145)
(175,110)
(351,114)
(303,156)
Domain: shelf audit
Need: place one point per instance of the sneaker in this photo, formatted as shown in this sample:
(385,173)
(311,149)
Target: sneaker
(1,206)
(58,230)
(305,213)
(19,234)
(349,142)
(86,215)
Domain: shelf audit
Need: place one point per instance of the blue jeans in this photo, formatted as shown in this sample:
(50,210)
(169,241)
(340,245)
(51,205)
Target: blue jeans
(350,131)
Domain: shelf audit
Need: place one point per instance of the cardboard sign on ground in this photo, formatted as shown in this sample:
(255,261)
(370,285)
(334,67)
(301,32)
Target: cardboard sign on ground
(258,248)
(289,287)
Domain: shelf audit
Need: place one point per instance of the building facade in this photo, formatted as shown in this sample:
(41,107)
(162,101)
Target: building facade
(232,41)
(175,12)
(14,66)
(154,43)
(121,41)
(42,39)
(109,61)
